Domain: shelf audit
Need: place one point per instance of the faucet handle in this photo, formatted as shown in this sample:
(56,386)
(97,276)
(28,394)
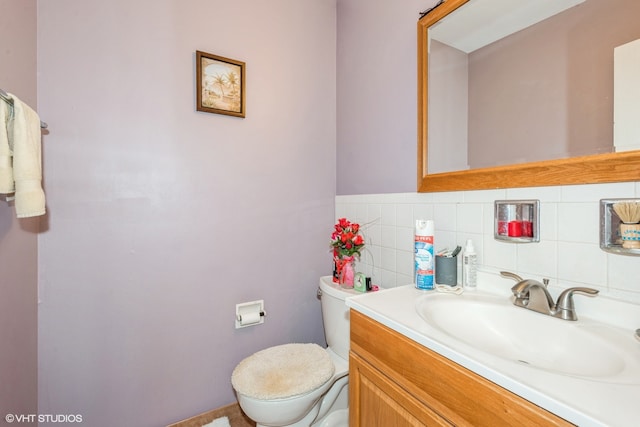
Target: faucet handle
(511,275)
(565,308)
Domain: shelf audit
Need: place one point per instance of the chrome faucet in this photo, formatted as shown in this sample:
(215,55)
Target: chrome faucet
(534,295)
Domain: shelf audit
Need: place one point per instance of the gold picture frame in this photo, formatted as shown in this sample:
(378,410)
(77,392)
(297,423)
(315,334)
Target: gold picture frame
(220,85)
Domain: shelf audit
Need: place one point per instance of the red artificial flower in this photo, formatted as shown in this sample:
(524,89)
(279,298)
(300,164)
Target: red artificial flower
(346,240)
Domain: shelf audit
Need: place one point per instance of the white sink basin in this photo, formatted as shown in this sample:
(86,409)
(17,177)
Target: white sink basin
(493,325)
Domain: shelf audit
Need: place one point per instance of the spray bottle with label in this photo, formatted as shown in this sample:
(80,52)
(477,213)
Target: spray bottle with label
(424,254)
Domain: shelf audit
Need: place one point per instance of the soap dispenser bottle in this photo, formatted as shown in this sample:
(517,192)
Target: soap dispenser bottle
(469,266)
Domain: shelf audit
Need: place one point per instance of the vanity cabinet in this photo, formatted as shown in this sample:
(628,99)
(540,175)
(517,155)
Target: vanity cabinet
(397,382)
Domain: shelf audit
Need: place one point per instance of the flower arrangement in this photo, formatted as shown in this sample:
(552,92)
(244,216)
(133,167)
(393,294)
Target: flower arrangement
(346,239)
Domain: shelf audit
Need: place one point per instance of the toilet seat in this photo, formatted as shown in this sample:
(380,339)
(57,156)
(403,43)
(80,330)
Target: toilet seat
(283,371)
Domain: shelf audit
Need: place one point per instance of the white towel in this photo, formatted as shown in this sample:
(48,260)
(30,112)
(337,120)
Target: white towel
(6,162)
(24,144)
(219,422)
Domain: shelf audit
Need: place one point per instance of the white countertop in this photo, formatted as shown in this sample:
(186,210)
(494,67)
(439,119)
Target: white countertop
(582,401)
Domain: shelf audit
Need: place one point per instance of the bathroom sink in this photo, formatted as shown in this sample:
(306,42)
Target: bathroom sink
(493,325)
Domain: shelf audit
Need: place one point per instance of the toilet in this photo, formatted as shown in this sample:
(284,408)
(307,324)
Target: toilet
(301,385)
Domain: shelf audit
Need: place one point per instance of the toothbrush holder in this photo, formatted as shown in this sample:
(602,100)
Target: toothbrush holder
(630,235)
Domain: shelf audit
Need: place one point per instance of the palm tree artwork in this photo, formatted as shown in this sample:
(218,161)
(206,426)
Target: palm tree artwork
(220,83)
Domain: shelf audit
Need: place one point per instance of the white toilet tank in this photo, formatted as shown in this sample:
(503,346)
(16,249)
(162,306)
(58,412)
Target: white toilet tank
(335,315)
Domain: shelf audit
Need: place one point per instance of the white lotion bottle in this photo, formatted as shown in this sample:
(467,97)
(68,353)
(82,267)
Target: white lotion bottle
(469,266)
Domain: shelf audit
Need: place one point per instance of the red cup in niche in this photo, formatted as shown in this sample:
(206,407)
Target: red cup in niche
(527,228)
(515,228)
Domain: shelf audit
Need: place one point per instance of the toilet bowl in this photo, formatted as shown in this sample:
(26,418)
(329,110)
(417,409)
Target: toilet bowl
(300,385)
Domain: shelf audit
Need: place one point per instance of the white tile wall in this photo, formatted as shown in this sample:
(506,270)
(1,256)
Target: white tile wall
(568,252)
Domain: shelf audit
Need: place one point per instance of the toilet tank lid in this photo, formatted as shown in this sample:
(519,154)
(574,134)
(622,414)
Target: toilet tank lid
(283,371)
(335,290)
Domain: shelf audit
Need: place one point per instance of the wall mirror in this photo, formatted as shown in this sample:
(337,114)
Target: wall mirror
(508,104)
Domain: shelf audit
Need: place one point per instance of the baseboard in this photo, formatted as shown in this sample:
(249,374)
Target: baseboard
(236,417)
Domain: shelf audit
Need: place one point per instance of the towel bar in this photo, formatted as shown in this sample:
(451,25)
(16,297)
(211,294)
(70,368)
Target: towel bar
(5,97)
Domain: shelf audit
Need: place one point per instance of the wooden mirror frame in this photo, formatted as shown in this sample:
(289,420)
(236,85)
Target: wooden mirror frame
(592,169)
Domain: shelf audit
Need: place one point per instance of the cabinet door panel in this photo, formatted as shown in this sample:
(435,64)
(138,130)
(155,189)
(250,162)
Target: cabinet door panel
(381,403)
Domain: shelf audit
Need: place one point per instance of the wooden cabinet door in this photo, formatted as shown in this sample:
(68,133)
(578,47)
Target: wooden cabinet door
(376,401)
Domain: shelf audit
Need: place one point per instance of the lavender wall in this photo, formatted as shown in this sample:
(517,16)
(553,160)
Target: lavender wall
(18,238)
(163,218)
(377,101)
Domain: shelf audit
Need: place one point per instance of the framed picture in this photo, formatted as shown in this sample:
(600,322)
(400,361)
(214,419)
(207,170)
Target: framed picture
(220,85)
